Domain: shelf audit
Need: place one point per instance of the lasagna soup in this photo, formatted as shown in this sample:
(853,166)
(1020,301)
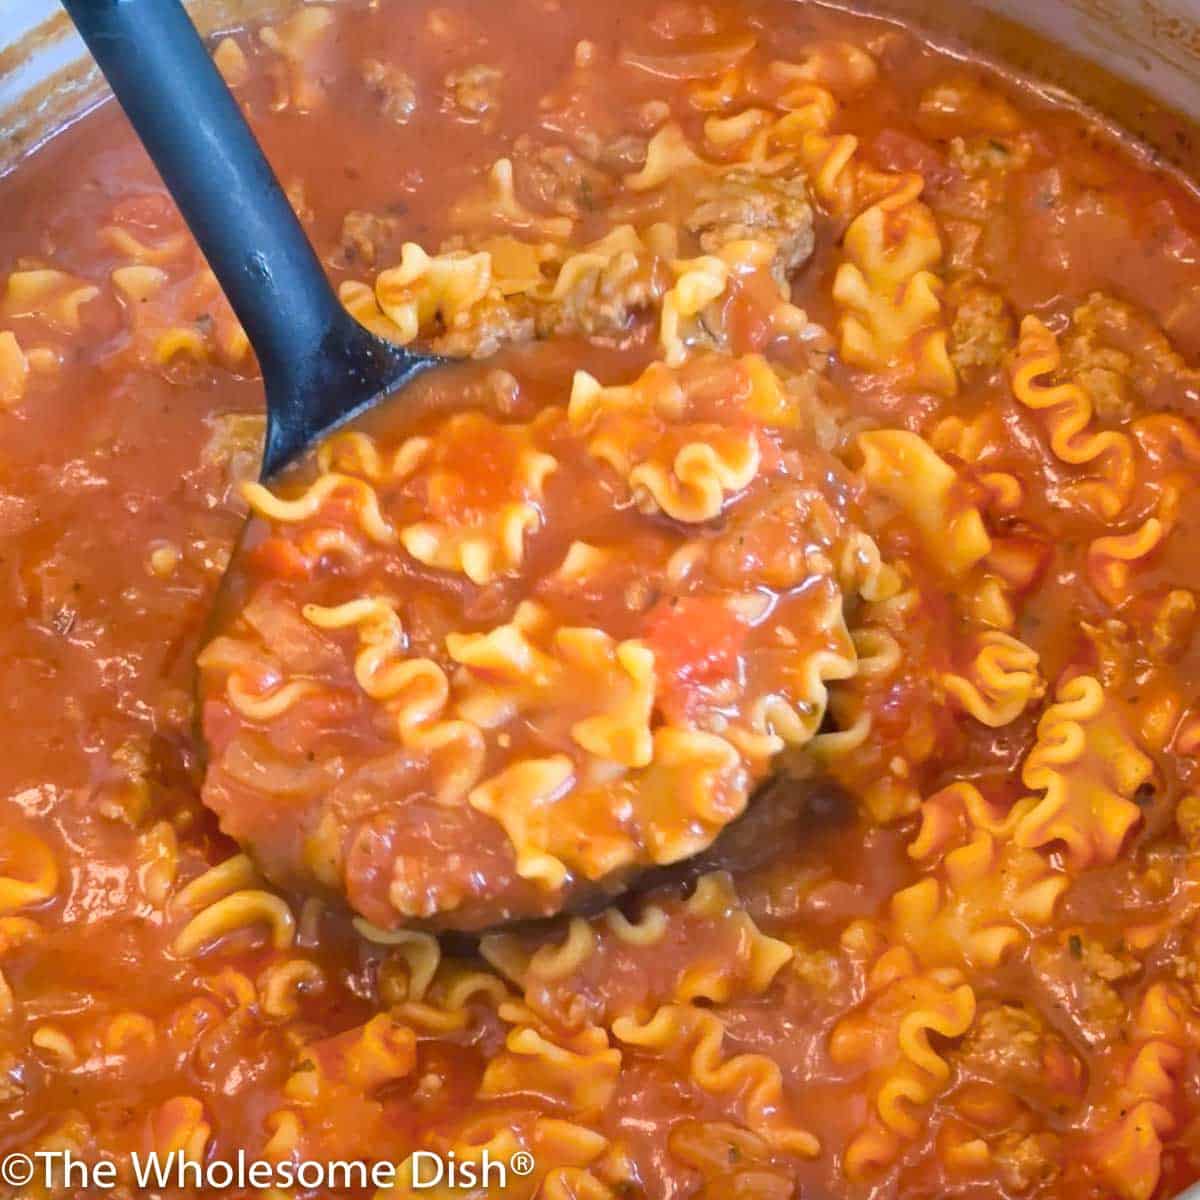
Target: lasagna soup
(821,415)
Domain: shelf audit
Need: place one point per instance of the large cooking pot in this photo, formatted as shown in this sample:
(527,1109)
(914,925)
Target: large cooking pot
(1135,61)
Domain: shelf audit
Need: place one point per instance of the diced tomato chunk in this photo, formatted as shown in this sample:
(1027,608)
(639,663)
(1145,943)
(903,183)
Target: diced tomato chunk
(896,151)
(696,642)
(280,559)
(748,318)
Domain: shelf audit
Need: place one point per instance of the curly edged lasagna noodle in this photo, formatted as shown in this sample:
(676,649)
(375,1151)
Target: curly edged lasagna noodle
(843,411)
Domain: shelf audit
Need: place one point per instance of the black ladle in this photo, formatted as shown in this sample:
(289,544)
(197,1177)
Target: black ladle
(320,367)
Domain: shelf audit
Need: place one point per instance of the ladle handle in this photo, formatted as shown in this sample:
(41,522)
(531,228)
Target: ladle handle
(164,78)
(319,365)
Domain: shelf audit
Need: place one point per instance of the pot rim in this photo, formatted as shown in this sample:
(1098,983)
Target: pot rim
(1136,63)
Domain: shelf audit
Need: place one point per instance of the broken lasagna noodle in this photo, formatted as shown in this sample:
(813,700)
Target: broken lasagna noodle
(837,432)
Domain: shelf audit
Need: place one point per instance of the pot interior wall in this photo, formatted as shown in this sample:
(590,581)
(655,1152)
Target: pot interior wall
(46,80)
(1135,61)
